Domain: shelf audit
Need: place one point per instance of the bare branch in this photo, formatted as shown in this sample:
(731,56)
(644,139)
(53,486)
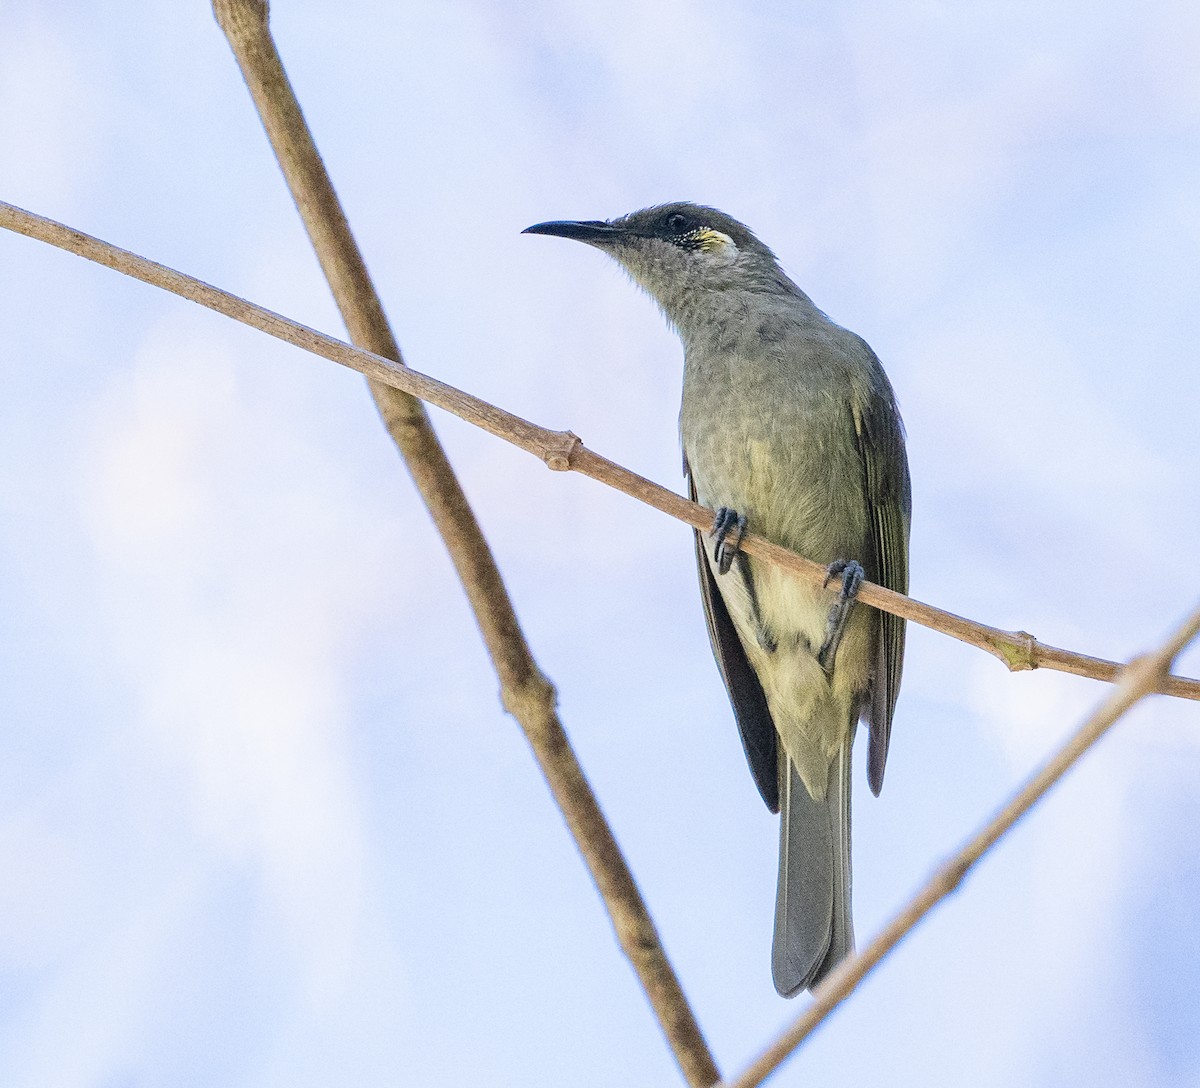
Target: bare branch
(1138,679)
(563,450)
(526,693)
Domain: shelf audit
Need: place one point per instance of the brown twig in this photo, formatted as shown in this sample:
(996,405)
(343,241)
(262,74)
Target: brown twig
(526,693)
(563,450)
(1138,679)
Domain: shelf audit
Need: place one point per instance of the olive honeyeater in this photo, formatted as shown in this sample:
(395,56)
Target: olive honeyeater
(790,429)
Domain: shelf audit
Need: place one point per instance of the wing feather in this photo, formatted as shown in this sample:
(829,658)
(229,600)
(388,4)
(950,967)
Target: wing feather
(754,721)
(889,502)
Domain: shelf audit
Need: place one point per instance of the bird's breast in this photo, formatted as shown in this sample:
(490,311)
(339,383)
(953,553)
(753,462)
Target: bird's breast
(762,440)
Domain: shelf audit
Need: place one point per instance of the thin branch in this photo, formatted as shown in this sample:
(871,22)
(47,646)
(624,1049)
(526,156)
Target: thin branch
(562,450)
(1137,680)
(525,692)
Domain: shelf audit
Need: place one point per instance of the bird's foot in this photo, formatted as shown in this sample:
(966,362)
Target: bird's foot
(727,532)
(851,573)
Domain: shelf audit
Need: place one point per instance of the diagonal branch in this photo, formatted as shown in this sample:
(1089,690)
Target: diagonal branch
(1137,680)
(563,450)
(525,691)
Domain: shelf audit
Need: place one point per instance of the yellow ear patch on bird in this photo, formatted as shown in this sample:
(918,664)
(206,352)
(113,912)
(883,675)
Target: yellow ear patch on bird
(709,241)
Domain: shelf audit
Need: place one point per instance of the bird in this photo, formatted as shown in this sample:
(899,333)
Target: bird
(790,429)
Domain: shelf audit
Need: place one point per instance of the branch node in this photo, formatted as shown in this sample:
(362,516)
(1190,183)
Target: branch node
(558,453)
(951,874)
(1017,649)
(532,701)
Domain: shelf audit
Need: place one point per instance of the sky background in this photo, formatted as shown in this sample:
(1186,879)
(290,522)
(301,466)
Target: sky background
(262,819)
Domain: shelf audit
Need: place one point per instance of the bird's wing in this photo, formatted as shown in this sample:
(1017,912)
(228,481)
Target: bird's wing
(880,438)
(745,692)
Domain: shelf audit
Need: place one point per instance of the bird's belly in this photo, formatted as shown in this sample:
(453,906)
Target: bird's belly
(813,711)
(800,486)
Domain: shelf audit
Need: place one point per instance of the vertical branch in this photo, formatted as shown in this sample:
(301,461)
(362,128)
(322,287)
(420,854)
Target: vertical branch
(1138,679)
(526,693)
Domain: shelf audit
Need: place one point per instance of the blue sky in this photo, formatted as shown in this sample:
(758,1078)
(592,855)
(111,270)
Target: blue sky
(263,819)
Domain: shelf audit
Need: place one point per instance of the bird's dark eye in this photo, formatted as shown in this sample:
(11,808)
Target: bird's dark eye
(677,223)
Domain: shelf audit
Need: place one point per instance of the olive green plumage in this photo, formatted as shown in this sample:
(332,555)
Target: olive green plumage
(788,420)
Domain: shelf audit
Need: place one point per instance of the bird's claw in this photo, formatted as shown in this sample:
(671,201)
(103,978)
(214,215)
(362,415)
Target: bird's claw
(727,532)
(852,575)
(850,572)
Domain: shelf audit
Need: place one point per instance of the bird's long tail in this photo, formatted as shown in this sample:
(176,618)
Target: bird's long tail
(814,929)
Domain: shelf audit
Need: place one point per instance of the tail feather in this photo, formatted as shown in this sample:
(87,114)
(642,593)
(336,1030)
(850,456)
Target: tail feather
(814,929)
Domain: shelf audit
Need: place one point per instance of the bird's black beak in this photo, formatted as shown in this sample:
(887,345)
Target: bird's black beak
(592,230)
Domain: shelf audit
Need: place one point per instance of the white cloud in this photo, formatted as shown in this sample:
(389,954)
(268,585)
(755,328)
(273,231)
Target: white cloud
(211,519)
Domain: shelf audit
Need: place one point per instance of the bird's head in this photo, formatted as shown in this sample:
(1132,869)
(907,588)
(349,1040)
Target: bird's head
(679,253)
